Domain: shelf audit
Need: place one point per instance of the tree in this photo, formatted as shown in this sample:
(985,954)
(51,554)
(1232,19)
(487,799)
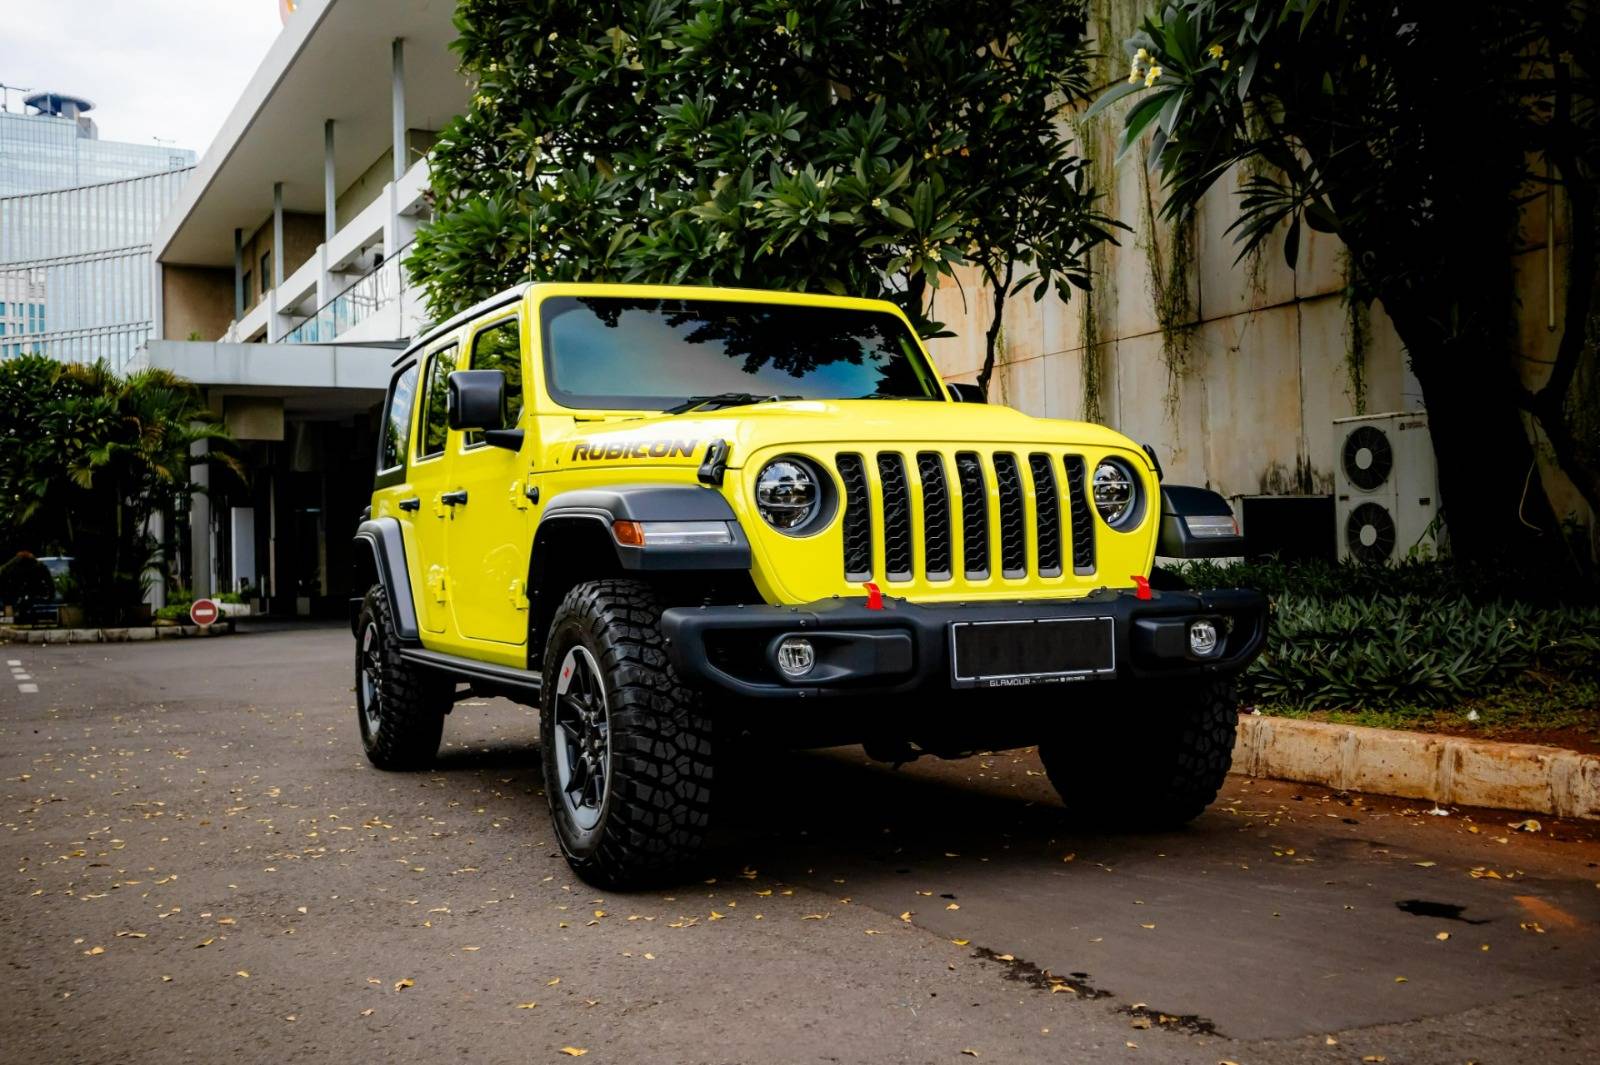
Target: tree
(852,147)
(96,457)
(1415,131)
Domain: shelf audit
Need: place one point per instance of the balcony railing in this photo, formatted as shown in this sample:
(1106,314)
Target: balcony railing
(363,297)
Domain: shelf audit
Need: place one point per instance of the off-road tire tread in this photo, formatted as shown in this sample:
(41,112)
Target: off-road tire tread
(661,743)
(1158,765)
(414,699)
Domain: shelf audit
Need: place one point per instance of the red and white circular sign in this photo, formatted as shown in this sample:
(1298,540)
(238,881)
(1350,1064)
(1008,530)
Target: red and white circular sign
(204,611)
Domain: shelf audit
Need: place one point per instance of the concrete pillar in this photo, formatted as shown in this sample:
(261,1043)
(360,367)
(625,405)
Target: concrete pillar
(238,274)
(330,189)
(398,108)
(200,521)
(274,326)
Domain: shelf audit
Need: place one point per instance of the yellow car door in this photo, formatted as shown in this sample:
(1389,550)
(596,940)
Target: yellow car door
(429,509)
(487,535)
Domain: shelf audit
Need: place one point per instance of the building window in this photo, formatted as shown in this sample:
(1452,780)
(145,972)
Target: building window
(266,271)
(434,426)
(397,424)
(499,347)
(245,288)
(2,310)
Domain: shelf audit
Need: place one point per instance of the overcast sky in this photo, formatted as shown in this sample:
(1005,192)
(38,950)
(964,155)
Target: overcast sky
(166,69)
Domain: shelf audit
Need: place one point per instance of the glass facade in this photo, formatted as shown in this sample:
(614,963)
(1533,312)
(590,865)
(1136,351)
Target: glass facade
(77,278)
(43,152)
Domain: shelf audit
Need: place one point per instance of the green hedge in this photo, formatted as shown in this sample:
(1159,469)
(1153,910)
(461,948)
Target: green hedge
(1424,634)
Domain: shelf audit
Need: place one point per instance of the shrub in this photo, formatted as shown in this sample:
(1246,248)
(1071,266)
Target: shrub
(1349,636)
(25,581)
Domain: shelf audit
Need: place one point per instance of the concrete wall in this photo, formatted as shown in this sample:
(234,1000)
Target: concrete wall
(195,299)
(302,232)
(1240,392)
(366,188)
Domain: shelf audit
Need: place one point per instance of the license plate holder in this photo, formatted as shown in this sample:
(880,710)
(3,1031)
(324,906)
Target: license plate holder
(1004,654)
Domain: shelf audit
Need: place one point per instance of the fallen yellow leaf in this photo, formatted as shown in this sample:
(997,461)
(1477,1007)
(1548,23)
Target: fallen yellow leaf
(1147,926)
(961,942)
(574,1052)
(906,916)
(552,982)
(526,1005)
(953,906)
(1400,980)
(401,985)
(95,950)
(366,1013)
(1441,936)
(969,1052)
(470,948)
(244,973)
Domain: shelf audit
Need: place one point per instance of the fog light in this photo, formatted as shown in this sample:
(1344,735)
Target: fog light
(796,656)
(1202,638)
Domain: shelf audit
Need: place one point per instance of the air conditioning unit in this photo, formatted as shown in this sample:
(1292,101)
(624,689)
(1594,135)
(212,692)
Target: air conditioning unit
(1386,487)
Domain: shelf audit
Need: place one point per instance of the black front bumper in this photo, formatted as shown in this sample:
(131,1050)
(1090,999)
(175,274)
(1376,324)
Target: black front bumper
(906,647)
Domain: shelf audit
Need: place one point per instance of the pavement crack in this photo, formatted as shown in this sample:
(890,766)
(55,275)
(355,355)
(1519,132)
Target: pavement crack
(1026,972)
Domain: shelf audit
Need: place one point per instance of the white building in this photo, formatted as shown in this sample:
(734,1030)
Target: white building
(282,252)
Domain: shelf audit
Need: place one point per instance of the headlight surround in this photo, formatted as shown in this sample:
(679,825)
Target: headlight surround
(1117,493)
(790,495)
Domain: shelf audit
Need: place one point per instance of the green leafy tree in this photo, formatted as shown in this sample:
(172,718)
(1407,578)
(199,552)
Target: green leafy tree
(1415,131)
(833,145)
(93,458)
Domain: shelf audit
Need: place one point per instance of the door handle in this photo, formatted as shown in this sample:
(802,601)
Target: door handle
(410,504)
(453,499)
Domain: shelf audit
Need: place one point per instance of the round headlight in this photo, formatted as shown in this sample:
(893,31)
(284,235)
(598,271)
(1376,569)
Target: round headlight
(1116,493)
(787,495)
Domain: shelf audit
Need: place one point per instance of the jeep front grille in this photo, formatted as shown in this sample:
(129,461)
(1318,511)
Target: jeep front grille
(1016,515)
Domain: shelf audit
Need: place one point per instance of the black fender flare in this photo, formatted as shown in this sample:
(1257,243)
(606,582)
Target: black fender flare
(1196,523)
(380,552)
(646,503)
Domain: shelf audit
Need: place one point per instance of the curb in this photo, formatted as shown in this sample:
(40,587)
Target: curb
(1419,765)
(116,635)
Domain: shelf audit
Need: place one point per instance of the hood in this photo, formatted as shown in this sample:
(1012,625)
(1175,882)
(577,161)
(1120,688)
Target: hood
(682,439)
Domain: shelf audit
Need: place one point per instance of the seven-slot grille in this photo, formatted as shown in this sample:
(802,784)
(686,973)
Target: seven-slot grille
(918,503)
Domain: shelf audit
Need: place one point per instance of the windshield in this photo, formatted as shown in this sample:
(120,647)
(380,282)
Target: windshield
(603,352)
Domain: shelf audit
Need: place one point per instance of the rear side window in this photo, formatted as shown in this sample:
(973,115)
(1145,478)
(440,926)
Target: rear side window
(499,347)
(431,436)
(397,421)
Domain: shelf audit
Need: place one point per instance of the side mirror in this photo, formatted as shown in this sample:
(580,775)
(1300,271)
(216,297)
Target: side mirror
(476,399)
(966,392)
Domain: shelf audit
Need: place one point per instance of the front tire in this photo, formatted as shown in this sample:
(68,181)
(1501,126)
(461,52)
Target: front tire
(1157,764)
(400,708)
(626,747)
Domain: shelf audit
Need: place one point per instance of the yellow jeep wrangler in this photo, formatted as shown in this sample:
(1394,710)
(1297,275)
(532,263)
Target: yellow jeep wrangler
(677,519)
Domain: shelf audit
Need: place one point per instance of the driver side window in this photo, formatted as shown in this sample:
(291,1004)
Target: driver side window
(431,433)
(499,347)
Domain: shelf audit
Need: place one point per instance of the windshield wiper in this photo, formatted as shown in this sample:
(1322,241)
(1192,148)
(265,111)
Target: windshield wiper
(724,399)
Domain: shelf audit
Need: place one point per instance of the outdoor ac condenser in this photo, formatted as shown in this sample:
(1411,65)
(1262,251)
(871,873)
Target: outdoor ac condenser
(1386,487)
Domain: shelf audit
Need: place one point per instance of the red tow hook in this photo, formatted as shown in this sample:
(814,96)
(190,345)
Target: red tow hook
(1141,587)
(874,596)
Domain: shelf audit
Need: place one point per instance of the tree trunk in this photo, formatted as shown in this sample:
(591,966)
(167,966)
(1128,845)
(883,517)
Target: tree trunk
(1493,502)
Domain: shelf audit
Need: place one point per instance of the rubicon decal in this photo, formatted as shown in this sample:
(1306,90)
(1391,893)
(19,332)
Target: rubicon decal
(635,449)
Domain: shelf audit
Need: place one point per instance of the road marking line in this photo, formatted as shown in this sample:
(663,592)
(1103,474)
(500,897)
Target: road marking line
(22,676)
(27,688)
(13,661)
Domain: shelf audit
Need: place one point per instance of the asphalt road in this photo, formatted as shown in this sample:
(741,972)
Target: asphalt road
(204,869)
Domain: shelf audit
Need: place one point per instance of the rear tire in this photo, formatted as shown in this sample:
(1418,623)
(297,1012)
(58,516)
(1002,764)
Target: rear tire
(1158,764)
(626,746)
(400,708)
